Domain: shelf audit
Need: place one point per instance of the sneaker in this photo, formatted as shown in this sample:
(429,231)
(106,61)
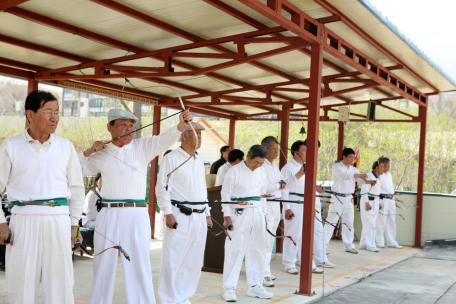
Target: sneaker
(362,247)
(327,265)
(272,277)
(267,281)
(380,245)
(317,270)
(298,263)
(373,249)
(229,295)
(327,252)
(258,291)
(351,250)
(397,246)
(291,270)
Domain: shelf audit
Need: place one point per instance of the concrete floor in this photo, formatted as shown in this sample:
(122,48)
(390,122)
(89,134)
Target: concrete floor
(349,269)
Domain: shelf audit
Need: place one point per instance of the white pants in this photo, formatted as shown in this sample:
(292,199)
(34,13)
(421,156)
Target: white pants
(340,207)
(130,228)
(41,254)
(368,218)
(386,223)
(161,222)
(247,238)
(319,249)
(273,219)
(182,257)
(291,253)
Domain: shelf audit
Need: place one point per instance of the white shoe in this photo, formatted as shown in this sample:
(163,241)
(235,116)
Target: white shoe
(397,246)
(327,265)
(373,249)
(229,295)
(362,248)
(258,291)
(298,263)
(272,277)
(291,270)
(267,281)
(351,250)
(317,270)
(380,245)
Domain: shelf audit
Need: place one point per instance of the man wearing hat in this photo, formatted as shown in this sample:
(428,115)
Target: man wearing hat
(185,233)
(123,218)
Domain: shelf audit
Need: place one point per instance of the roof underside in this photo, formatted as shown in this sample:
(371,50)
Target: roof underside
(78,31)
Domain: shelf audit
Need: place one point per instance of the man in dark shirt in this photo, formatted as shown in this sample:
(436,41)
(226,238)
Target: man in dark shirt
(224,151)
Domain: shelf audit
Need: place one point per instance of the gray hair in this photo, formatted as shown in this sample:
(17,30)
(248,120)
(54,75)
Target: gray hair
(258,151)
(383,160)
(267,140)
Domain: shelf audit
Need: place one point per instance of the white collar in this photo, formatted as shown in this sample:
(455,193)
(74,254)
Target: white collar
(30,139)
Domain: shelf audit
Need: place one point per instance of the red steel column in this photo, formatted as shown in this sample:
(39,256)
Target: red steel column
(305,280)
(32,86)
(285,118)
(154,173)
(340,143)
(419,192)
(232,132)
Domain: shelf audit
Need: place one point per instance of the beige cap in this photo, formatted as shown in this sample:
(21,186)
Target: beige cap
(114,114)
(195,125)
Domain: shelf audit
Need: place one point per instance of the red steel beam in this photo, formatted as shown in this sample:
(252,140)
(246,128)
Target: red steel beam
(154,174)
(179,32)
(6,4)
(15,72)
(335,46)
(316,64)
(28,15)
(421,167)
(284,136)
(258,25)
(347,21)
(340,141)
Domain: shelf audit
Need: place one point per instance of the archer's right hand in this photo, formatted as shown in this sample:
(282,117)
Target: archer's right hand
(170,221)
(4,233)
(227,222)
(289,214)
(97,146)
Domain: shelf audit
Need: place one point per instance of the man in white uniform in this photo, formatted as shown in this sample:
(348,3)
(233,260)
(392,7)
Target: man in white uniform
(386,221)
(245,182)
(369,205)
(185,233)
(274,187)
(38,167)
(123,218)
(234,157)
(344,175)
(89,213)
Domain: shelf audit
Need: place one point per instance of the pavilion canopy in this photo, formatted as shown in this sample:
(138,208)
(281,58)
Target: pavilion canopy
(40,35)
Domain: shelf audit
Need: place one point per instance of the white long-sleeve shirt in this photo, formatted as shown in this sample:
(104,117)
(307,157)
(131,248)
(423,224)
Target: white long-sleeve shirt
(387,183)
(188,183)
(366,188)
(74,175)
(222,171)
(288,172)
(122,181)
(344,179)
(90,208)
(242,182)
(273,177)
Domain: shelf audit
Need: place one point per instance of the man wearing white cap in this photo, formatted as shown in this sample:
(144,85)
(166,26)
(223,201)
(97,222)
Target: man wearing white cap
(185,233)
(123,218)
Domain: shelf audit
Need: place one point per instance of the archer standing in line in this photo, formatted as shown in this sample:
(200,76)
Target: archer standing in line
(185,234)
(274,187)
(123,218)
(245,182)
(386,222)
(224,151)
(37,167)
(234,157)
(344,176)
(369,205)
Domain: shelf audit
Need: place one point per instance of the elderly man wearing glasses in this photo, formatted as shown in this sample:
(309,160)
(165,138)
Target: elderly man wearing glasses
(40,170)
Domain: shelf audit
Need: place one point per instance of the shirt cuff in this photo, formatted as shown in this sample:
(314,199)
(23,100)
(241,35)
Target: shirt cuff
(226,213)
(298,175)
(168,210)
(74,222)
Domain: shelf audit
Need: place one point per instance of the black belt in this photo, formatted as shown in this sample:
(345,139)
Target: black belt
(186,210)
(383,196)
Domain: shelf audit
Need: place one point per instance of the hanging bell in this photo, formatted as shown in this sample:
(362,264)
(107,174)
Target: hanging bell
(303,130)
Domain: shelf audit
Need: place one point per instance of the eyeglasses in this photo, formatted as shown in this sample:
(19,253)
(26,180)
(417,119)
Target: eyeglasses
(49,113)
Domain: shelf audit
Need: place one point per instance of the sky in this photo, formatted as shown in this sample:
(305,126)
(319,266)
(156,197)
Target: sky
(429,24)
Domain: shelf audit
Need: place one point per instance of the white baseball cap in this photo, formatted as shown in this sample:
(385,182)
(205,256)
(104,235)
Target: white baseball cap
(114,114)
